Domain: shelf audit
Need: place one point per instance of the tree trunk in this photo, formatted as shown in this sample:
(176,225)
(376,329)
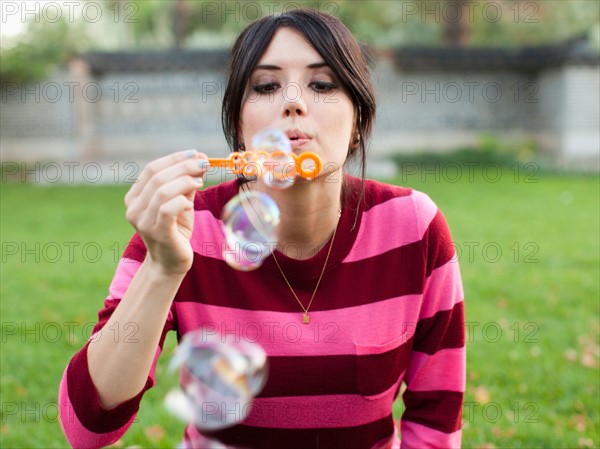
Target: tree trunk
(455,23)
(181,13)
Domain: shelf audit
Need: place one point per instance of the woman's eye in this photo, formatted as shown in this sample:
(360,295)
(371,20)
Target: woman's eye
(265,88)
(322,86)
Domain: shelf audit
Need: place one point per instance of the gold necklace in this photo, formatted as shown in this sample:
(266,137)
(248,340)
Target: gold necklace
(305,317)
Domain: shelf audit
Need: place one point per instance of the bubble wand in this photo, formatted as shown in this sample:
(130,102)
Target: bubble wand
(272,153)
(249,163)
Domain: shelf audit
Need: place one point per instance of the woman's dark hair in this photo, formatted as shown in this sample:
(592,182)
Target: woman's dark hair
(331,39)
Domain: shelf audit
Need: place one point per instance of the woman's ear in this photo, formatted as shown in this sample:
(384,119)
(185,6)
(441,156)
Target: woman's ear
(355,139)
(241,143)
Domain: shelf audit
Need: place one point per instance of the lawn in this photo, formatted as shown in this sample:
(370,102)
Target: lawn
(528,245)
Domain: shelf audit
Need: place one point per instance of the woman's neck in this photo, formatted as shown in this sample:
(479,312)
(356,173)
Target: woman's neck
(309,213)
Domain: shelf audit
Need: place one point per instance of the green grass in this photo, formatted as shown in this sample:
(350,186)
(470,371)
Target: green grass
(533,385)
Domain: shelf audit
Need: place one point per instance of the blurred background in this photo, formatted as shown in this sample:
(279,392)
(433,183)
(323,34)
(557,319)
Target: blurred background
(132,80)
(491,107)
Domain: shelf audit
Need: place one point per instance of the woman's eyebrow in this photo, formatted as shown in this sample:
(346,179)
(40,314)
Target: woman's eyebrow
(267,67)
(317,65)
(314,65)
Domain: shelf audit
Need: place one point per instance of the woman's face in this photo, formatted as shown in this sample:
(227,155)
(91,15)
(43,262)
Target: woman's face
(293,90)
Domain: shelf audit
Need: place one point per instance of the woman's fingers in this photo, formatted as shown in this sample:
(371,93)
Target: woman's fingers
(148,209)
(168,212)
(160,206)
(191,168)
(157,166)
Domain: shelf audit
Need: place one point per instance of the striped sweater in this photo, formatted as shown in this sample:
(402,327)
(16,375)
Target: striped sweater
(389,310)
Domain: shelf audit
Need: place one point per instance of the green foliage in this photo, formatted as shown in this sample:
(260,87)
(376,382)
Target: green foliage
(151,24)
(43,47)
(534,22)
(490,150)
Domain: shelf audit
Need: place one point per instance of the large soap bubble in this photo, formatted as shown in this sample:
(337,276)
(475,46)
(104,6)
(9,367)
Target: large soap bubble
(219,377)
(250,222)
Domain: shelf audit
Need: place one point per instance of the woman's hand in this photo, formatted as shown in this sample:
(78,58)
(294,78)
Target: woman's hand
(160,206)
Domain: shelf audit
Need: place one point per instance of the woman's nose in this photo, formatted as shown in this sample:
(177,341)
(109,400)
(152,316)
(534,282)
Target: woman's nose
(293,101)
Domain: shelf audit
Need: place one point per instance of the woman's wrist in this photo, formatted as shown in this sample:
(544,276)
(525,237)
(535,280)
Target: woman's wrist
(156,273)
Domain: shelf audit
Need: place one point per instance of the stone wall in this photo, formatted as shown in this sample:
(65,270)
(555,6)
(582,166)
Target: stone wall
(82,115)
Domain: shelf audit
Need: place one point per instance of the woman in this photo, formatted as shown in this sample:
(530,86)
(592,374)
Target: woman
(362,294)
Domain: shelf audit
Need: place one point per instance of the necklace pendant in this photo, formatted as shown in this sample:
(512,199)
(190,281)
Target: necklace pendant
(306,318)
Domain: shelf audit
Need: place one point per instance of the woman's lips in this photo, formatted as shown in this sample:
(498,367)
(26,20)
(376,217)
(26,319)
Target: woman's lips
(299,143)
(298,139)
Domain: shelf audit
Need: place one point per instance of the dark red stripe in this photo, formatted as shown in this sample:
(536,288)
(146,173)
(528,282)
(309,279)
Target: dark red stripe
(359,437)
(365,375)
(303,376)
(440,410)
(395,273)
(82,390)
(438,243)
(377,193)
(378,372)
(135,250)
(444,330)
(215,197)
(86,403)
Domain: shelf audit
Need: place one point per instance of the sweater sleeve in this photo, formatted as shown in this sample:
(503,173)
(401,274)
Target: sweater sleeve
(435,376)
(85,422)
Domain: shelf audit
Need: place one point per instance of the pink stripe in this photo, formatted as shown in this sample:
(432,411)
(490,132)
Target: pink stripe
(396,222)
(126,270)
(320,411)
(207,238)
(195,438)
(353,330)
(417,436)
(77,435)
(430,372)
(443,289)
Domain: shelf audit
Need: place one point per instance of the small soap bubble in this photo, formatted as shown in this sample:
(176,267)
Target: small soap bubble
(270,140)
(219,377)
(279,165)
(250,222)
(279,170)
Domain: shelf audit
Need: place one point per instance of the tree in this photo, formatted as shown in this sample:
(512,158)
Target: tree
(44,47)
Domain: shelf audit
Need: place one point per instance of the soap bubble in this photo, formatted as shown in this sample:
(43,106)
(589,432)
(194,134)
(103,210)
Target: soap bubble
(279,165)
(250,222)
(219,377)
(279,170)
(270,140)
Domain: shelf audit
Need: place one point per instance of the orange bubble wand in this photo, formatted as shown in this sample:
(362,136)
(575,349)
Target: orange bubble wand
(248,163)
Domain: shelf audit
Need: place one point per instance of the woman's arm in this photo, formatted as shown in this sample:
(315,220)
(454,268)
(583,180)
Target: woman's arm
(435,377)
(160,206)
(119,361)
(84,418)
(112,372)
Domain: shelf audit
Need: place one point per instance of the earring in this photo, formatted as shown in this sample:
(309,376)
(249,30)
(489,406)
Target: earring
(356,139)
(242,147)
